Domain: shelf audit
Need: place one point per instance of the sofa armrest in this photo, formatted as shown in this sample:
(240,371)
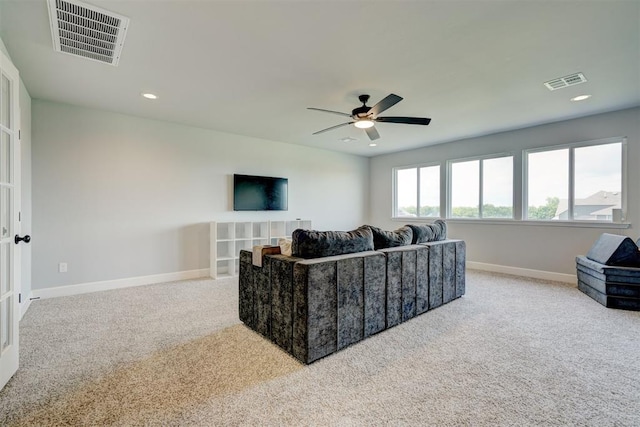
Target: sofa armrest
(447,264)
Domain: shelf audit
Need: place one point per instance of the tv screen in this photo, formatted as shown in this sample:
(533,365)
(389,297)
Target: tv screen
(260,193)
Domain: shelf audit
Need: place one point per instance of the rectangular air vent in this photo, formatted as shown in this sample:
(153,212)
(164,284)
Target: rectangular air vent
(87,31)
(566,81)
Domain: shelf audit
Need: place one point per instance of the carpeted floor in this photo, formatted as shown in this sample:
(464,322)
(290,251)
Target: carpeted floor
(513,351)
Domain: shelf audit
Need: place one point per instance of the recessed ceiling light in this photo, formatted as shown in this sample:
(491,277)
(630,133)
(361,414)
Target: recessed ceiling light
(348,139)
(373,144)
(581,97)
(150,96)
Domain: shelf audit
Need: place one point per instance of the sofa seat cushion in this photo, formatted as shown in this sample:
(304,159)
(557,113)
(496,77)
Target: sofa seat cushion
(317,244)
(390,239)
(429,232)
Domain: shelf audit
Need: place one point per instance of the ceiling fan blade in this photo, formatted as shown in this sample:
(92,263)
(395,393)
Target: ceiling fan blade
(332,127)
(387,102)
(404,120)
(372,133)
(329,111)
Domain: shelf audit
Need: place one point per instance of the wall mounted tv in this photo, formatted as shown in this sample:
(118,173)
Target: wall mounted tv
(260,193)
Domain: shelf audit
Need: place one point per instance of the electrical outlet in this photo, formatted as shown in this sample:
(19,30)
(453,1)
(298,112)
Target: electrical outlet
(62,267)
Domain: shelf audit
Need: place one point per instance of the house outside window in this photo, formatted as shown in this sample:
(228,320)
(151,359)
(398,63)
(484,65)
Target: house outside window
(481,188)
(417,191)
(578,182)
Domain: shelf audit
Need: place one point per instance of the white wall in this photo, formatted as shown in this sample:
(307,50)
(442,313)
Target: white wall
(116,196)
(536,247)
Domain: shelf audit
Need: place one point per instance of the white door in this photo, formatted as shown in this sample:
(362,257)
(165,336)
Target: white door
(9,219)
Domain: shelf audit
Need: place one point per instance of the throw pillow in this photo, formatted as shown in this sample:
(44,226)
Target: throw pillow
(316,244)
(429,232)
(285,246)
(388,239)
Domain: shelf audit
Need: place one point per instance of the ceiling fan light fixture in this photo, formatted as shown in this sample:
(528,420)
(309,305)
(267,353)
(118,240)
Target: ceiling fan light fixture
(363,124)
(580,98)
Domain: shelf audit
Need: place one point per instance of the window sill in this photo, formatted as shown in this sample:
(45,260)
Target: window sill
(575,224)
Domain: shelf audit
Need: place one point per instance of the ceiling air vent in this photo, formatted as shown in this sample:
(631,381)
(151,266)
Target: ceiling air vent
(566,81)
(87,31)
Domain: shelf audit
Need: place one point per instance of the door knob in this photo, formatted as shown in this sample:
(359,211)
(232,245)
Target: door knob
(26,239)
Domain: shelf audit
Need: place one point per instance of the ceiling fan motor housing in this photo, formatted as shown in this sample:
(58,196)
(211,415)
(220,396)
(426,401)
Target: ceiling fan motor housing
(360,112)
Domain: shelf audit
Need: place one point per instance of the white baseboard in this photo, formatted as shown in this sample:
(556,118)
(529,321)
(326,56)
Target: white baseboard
(83,288)
(526,272)
(24,306)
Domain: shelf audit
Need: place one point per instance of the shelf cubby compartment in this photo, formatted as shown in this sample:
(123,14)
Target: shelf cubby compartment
(225,230)
(261,230)
(225,249)
(291,226)
(244,230)
(246,244)
(306,225)
(260,242)
(225,268)
(277,229)
(274,241)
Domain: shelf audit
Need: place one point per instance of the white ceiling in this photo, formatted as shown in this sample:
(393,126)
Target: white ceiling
(252,67)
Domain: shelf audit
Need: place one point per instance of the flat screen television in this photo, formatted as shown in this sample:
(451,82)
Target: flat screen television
(260,193)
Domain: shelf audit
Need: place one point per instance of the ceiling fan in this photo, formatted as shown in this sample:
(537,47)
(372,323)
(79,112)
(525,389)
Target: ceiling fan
(364,117)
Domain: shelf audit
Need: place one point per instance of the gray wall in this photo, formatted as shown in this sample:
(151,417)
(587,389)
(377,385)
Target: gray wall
(116,196)
(537,247)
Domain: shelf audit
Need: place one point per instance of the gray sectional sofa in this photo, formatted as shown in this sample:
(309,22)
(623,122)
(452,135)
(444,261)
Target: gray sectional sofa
(320,300)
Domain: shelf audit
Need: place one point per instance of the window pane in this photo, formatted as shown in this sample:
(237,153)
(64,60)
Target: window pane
(5,268)
(5,212)
(598,181)
(548,185)
(407,192)
(5,157)
(5,103)
(465,191)
(497,188)
(430,191)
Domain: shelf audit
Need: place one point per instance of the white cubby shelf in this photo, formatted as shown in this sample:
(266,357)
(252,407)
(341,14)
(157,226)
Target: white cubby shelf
(230,237)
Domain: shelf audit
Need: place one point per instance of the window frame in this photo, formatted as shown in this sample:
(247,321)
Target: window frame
(394,212)
(481,159)
(571,181)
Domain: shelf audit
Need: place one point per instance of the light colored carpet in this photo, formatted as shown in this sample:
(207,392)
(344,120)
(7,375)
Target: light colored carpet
(512,351)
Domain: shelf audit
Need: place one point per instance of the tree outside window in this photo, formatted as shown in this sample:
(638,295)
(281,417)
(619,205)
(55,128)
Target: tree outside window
(418,186)
(482,188)
(575,183)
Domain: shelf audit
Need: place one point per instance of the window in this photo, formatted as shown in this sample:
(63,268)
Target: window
(482,188)
(417,186)
(581,182)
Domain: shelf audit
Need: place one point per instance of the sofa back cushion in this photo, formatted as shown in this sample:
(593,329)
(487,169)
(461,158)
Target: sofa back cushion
(390,239)
(613,249)
(316,244)
(429,232)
